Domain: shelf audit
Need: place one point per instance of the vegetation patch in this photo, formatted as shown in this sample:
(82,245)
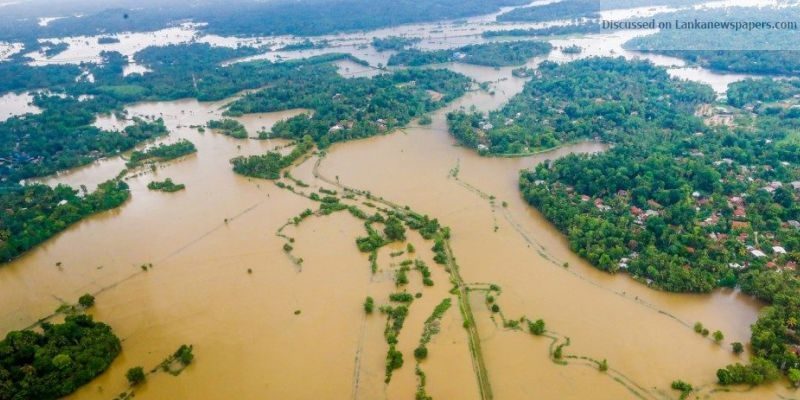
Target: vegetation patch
(34,213)
(229,127)
(269,165)
(347,109)
(395,43)
(162,152)
(496,54)
(56,362)
(166,186)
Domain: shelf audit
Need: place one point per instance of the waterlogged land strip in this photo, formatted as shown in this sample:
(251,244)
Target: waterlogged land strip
(443,256)
(478,362)
(393,218)
(558,344)
(173,364)
(430,329)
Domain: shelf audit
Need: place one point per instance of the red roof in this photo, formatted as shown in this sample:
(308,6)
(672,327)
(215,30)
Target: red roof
(740,225)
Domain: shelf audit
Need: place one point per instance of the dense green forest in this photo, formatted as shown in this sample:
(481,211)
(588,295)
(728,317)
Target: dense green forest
(346,109)
(18,76)
(597,98)
(751,62)
(107,40)
(568,9)
(586,28)
(53,49)
(756,91)
(343,109)
(162,152)
(56,362)
(253,18)
(759,51)
(33,213)
(496,54)
(576,9)
(676,203)
(194,70)
(62,137)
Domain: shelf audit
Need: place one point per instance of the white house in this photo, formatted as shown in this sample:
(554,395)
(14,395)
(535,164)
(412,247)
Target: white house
(757,253)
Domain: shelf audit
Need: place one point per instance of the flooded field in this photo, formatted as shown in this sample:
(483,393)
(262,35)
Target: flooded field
(199,291)
(12,104)
(264,328)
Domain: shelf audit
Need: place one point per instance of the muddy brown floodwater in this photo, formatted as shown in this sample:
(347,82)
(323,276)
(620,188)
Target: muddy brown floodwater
(250,344)
(248,341)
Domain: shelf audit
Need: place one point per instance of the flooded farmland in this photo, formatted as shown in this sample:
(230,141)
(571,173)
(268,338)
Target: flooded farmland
(264,328)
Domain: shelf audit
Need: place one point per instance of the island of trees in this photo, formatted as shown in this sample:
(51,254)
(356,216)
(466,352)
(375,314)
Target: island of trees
(496,54)
(166,185)
(269,166)
(58,360)
(582,28)
(229,127)
(161,152)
